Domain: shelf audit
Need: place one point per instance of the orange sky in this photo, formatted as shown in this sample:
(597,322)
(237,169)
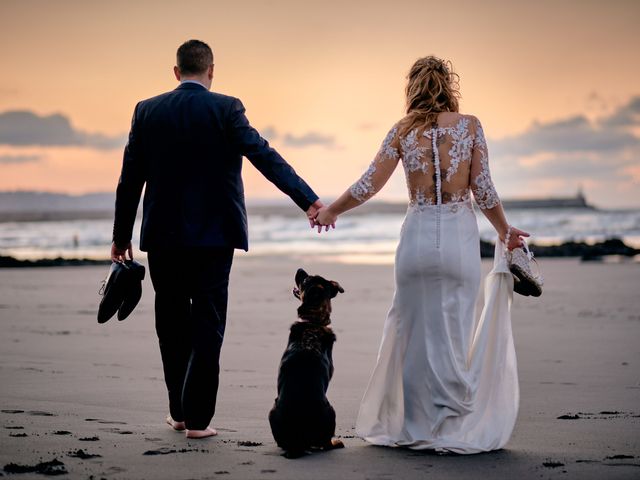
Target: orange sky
(335,70)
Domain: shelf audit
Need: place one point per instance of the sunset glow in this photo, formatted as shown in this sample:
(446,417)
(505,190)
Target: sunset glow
(555,85)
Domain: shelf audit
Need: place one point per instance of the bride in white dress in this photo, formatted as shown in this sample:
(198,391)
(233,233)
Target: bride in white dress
(444,379)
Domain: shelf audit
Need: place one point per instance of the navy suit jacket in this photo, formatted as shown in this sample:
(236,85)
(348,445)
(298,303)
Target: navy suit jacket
(187,147)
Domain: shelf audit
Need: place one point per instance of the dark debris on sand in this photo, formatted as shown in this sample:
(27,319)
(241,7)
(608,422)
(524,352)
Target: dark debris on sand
(619,457)
(603,415)
(89,439)
(247,443)
(552,464)
(61,432)
(52,467)
(18,435)
(168,451)
(80,453)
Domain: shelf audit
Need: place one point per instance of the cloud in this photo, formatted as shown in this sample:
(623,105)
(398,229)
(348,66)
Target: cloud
(309,139)
(626,116)
(367,126)
(18,159)
(602,153)
(26,128)
(269,133)
(575,134)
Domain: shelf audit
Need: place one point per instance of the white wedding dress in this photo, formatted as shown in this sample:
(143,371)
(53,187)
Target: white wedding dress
(444,379)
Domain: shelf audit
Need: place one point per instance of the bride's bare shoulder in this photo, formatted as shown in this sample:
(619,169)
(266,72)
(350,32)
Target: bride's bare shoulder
(473,119)
(403,122)
(449,118)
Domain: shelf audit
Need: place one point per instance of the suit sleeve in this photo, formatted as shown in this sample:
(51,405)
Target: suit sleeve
(129,188)
(269,162)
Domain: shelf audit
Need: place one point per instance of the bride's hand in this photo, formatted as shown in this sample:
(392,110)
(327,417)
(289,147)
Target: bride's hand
(515,238)
(325,218)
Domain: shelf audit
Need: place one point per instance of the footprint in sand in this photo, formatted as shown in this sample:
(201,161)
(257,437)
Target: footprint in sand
(105,422)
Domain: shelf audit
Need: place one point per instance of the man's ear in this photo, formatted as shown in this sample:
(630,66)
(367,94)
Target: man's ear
(210,72)
(300,276)
(176,72)
(335,288)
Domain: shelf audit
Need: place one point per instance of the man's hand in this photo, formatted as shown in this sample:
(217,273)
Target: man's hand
(119,254)
(325,218)
(313,211)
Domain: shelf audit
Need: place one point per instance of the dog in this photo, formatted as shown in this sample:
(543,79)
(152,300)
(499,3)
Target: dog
(302,418)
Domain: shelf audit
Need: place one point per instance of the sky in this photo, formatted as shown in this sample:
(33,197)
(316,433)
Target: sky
(554,83)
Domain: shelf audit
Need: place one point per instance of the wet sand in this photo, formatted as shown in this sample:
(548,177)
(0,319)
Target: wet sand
(92,396)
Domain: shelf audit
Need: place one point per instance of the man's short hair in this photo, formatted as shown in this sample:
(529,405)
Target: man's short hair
(194,57)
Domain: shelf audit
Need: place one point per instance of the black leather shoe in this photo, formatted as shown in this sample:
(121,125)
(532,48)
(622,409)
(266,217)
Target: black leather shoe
(112,291)
(133,288)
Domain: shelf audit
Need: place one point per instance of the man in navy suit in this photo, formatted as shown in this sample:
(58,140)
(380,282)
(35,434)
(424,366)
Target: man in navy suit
(187,146)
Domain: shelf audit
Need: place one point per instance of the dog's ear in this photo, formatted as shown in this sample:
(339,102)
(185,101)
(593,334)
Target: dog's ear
(335,288)
(300,276)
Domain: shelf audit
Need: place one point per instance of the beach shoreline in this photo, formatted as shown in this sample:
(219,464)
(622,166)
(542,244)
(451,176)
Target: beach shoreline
(613,249)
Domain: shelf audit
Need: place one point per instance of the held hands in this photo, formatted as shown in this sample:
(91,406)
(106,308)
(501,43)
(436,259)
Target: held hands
(313,211)
(318,216)
(325,218)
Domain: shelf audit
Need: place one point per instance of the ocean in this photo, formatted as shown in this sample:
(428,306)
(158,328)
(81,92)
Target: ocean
(358,238)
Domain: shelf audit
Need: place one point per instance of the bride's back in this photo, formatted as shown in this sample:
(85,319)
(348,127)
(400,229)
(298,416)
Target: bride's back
(454,138)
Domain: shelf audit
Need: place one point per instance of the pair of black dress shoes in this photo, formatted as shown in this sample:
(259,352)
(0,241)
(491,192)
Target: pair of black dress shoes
(121,290)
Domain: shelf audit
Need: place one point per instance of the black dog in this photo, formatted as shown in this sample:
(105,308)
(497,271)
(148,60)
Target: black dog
(302,417)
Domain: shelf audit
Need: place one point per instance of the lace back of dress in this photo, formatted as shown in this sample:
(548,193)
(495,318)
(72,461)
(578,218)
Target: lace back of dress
(442,165)
(438,180)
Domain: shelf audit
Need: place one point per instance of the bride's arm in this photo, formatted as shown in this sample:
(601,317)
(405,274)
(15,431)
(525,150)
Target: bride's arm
(370,182)
(485,193)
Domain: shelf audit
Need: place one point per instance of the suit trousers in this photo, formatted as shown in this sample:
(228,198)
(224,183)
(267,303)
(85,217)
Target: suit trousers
(191,286)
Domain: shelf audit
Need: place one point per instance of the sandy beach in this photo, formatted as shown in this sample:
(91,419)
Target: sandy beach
(92,396)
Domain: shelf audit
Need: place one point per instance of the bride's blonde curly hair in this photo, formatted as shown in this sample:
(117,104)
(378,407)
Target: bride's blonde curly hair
(432,87)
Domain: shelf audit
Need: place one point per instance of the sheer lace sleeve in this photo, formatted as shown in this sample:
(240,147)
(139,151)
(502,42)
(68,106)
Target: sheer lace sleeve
(380,169)
(481,184)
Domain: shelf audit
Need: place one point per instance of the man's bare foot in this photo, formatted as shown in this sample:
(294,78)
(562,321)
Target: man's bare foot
(336,443)
(179,426)
(208,432)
